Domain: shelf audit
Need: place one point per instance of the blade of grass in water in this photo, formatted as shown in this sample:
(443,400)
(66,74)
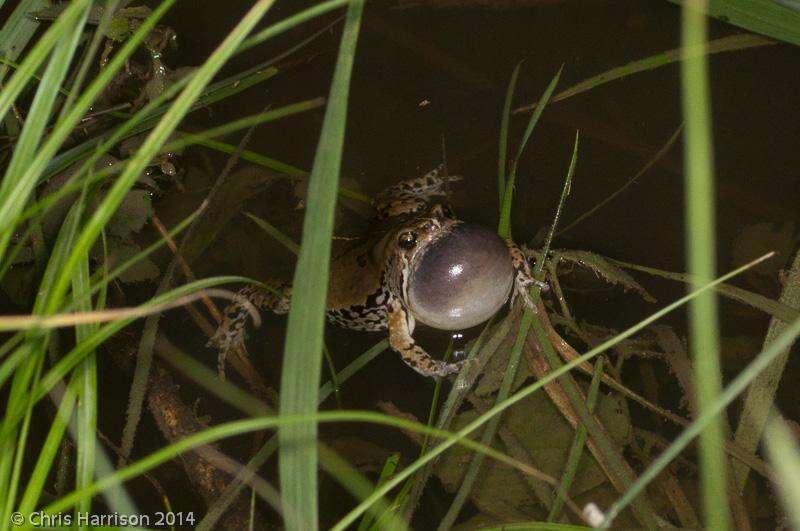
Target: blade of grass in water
(649,164)
(68,361)
(725,44)
(240,427)
(261,160)
(576,450)
(273,231)
(785,313)
(504,225)
(86,376)
(701,253)
(502,152)
(297,461)
(784,453)
(144,119)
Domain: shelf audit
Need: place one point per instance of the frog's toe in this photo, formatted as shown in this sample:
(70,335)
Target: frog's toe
(442,368)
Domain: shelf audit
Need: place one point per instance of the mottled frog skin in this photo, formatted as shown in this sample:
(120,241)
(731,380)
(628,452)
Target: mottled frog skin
(421,264)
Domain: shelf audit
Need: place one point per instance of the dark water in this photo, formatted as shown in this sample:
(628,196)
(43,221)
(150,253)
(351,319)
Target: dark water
(424,74)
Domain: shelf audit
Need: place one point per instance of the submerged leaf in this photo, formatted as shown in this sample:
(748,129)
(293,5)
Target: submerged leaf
(603,269)
(134,212)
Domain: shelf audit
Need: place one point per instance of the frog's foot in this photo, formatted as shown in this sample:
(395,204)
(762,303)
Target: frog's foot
(413,355)
(232,331)
(523,278)
(412,195)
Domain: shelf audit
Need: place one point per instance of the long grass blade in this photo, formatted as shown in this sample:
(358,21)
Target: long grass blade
(724,44)
(576,450)
(502,152)
(504,225)
(302,353)
(701,255)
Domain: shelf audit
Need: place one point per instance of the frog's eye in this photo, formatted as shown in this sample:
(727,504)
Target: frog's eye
(407,240)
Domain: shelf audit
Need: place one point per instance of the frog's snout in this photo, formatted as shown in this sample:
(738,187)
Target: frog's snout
(461,279)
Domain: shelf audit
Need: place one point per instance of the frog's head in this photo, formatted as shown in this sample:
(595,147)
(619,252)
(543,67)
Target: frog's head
(450,274)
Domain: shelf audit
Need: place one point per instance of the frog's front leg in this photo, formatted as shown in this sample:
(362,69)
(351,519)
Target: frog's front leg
(232,331)
(412,195)
(401,341)
(523,278)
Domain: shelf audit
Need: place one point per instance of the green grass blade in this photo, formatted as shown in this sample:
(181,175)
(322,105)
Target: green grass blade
(784,454)
(769,306)
(502,152)
(725,44)
(290,22)
(71,359)
(565,191)
(504,225)
(41,471)
(188,139)
(649,164)
(302,353)
(272,164)
(86,377)
(273,231)
(576,450)
(389,467)
(723,400)
(701,255)
(358,485)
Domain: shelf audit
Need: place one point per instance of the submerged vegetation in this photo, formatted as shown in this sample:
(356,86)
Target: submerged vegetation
(104,222)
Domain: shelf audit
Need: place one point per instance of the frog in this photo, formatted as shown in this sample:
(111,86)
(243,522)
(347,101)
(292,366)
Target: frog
(420,264)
